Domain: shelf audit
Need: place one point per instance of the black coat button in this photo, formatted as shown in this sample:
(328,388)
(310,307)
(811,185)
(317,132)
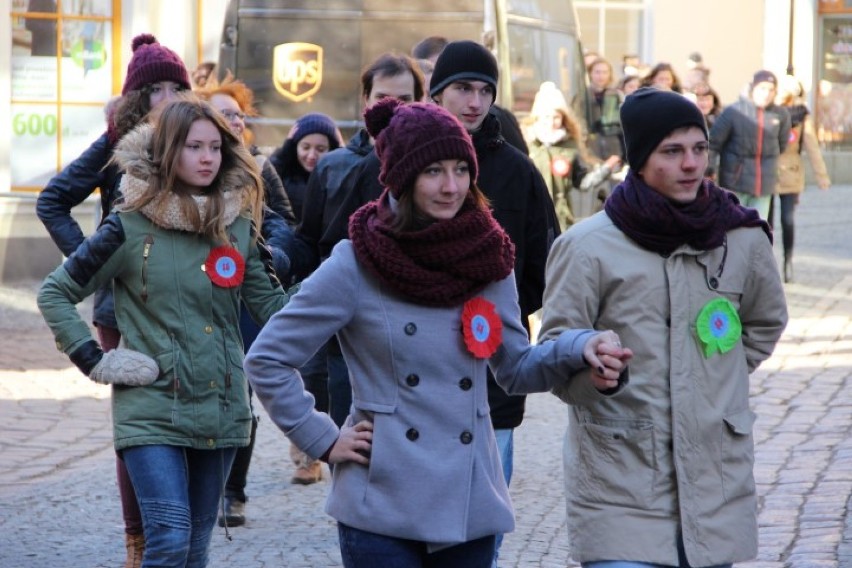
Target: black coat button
(412,380)
(466,437)
(713,282)
(410,329)
(412,434)
(465,384)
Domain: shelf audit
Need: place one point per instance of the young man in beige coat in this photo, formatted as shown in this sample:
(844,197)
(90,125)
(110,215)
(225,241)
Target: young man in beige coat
(661,472)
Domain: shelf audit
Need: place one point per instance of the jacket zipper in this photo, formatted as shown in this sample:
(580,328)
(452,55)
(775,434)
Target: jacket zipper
(146,252)
(758,170)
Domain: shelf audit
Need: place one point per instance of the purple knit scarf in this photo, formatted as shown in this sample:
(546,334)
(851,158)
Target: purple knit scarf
(662,225)
(444,264)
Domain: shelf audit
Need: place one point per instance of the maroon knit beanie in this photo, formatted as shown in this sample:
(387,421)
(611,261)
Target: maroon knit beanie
(151,63)
(409,137)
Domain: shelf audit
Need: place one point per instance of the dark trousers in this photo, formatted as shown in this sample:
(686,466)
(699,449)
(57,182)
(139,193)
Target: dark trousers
(109,339)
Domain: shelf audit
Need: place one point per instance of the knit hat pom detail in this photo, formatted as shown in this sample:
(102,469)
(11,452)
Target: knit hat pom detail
(378,116)
(143,39)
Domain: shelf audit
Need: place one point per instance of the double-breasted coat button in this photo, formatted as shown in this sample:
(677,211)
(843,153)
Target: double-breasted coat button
(466,437)
(713,282)
(412,380)
(412,434)
(465,384)
(410,328)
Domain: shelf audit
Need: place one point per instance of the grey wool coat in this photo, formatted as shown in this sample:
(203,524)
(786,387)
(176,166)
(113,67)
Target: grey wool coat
(434,472)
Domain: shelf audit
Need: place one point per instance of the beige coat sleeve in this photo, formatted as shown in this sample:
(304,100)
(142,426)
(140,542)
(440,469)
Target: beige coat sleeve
(811,145)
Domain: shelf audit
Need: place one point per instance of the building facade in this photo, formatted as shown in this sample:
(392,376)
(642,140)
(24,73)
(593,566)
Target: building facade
(66,59)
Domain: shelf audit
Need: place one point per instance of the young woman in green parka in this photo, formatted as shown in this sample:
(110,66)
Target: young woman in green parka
(182,252)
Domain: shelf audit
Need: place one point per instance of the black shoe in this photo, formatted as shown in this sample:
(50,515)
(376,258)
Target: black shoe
(235,513)
(788,270)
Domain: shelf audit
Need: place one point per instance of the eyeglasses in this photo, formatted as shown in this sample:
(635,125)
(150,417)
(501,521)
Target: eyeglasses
(231,114)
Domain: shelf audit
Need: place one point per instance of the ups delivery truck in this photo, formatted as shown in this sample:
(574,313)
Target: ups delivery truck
(302,56)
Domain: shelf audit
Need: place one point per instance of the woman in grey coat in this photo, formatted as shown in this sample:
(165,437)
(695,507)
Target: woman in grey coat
(422,299)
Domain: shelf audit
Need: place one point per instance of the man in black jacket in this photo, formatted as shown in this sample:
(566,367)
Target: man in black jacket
(465,83)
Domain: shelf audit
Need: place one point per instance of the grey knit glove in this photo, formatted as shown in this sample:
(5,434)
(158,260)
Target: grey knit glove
(125,367)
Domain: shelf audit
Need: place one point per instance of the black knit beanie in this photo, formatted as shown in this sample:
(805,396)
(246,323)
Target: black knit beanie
(649,115)
(764,76)
(464,61)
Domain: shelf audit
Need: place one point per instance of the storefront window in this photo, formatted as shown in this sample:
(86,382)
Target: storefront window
(611,29)
(834,95)
(61,78)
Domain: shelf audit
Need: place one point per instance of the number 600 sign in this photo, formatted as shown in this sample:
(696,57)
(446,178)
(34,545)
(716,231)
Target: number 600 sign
(34,124)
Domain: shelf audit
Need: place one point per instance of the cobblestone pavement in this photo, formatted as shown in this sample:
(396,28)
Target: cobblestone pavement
(59,502)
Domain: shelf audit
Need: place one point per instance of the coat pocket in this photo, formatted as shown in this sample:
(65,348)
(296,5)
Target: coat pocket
(738,454)
(616,462)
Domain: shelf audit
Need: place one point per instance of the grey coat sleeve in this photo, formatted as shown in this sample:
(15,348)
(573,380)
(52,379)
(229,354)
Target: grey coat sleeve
(322,306)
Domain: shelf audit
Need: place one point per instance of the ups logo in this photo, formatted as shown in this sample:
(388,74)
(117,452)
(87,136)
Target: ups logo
(297,70)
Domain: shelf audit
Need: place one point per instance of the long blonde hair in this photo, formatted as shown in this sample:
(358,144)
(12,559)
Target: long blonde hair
(237,167)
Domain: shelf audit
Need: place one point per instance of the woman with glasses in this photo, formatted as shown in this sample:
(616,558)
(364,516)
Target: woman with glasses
(235,101)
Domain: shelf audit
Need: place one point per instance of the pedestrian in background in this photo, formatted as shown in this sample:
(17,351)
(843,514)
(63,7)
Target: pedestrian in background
(576,179)
(313,135)
(791,166)
(155,75)
(605,137)
(424,487)
(234,101)
(332,182)
(661,473)
(182,252)
(662,76)
(747,139)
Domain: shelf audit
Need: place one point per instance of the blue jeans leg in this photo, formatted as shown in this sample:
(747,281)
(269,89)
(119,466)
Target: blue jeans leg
(681,558)
(362,549)
(506,447)
(178,491)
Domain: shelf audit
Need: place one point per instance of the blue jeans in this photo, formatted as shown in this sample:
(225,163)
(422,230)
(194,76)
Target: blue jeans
(760,203)
(178,491)
(506,447)
(628,564)
(681,558)
(362,549)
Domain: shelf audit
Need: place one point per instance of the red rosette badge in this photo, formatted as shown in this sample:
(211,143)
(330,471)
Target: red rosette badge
(482,328)
(560,167)
(225,267)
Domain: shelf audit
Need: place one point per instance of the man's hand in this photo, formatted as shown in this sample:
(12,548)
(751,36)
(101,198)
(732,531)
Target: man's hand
(608,359)
(354,444)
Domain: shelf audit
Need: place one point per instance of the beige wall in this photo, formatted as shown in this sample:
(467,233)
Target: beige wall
(728,34)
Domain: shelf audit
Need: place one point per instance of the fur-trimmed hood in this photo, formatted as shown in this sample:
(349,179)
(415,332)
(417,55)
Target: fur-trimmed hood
(133,156)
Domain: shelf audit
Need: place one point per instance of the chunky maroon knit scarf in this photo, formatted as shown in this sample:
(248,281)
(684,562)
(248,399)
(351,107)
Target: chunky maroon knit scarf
(662,225)
(444,264)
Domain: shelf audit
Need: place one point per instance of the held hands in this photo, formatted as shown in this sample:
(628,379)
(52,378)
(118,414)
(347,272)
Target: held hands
(125,367)
(607,358)
(613,163)
(353,444)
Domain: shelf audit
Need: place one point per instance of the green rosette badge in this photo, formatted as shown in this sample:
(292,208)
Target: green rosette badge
(719,326)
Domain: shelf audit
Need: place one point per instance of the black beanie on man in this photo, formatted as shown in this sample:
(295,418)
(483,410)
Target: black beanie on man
(649,115)
(464,61)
